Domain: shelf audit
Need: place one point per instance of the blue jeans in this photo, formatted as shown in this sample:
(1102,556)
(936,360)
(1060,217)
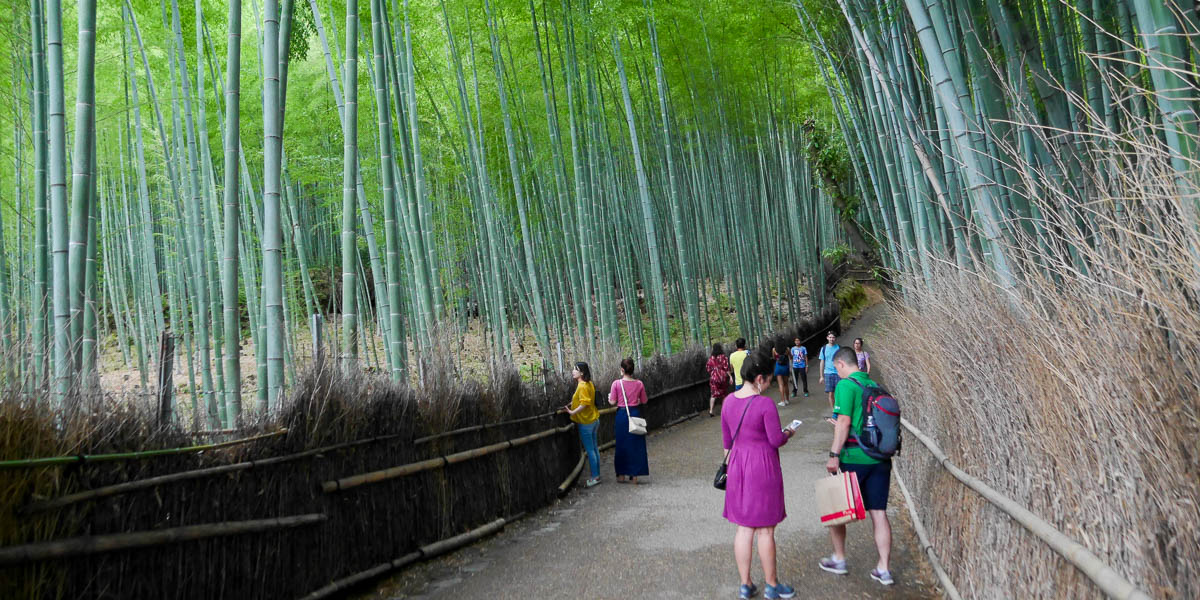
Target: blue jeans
(587,434)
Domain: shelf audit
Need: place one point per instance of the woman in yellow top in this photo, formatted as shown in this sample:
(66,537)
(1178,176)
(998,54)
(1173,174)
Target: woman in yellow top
(583,411)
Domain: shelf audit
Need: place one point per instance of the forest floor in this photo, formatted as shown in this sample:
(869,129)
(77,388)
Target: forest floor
(467,342)
(666,538)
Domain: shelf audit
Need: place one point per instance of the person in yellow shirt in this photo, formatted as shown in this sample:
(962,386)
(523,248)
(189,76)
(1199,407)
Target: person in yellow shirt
(583,412)
(735,360)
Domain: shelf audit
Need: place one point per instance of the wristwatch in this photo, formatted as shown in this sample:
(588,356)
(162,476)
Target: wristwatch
(834,454)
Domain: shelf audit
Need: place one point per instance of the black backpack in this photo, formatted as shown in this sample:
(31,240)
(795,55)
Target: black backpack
(880,434)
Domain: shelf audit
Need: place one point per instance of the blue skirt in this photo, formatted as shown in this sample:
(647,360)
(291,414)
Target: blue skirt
(630,459)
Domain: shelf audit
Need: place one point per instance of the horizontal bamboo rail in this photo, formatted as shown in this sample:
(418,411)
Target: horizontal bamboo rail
(149,482)
(354,481)
(16,555)
(427,551)
(1105,577)
(948,588)
(26,463)
(474,428)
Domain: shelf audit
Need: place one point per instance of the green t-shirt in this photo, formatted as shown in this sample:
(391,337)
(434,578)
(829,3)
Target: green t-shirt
(847,400)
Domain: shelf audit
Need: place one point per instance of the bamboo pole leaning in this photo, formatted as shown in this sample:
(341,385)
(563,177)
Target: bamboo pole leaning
(427,551)
(82,546)
(948,588)
(1105,577)
(570,480)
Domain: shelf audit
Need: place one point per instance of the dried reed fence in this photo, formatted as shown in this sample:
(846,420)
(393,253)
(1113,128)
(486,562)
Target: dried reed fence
(251,520)
(1077,396)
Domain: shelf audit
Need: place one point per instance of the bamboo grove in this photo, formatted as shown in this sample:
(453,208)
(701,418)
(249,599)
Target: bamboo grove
(572,173)
(988,133)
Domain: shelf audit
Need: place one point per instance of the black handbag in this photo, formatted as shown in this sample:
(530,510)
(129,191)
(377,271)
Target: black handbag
(719,480)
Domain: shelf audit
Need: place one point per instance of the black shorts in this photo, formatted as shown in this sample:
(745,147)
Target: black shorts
(874,481)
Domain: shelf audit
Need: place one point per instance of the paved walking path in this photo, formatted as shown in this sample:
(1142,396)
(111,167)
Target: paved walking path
(666,538)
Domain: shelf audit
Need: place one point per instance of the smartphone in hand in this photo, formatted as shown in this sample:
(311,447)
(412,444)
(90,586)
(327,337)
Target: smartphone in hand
(795,424)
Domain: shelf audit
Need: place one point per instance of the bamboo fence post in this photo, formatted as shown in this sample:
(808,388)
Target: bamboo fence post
(166,378)
(318,341)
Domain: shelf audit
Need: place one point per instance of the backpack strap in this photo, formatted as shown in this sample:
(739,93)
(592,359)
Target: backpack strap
(851,438)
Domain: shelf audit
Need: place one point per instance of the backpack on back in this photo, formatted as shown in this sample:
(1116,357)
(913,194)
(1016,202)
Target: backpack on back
(880,435)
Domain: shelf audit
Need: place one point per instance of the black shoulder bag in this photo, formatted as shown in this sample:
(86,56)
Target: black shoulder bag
(719,480)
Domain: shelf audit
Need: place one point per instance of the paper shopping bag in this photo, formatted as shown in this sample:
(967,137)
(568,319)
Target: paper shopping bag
(838,499)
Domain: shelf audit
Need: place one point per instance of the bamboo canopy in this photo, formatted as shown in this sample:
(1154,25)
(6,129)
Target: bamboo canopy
(490,158)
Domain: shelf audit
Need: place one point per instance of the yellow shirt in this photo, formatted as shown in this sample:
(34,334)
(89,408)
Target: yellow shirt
(735,360)
(585,396)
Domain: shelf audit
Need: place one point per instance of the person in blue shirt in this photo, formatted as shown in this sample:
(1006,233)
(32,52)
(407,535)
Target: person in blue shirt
(799,366)
(829,373)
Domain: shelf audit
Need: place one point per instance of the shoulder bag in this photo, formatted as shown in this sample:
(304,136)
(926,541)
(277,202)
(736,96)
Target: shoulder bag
(637,425)
(719,480)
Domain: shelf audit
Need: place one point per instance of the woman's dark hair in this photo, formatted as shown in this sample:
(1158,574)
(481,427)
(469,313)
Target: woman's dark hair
(717,350)
(759,362)
(585,371)
(627,366)
(781,355)
(860,341)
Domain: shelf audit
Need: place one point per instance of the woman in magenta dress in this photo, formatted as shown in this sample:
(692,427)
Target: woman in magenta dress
(754,488)
(718,376)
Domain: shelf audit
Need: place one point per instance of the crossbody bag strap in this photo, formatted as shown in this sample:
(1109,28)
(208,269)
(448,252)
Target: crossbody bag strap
(621,384)
(739,428)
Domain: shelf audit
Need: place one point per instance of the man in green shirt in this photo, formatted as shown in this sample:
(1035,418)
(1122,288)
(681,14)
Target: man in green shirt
(874,476)
(736,360)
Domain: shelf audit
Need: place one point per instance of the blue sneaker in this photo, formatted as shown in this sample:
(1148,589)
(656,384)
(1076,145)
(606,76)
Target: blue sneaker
(779,591)
(746,592)
(832,565)
(884,577)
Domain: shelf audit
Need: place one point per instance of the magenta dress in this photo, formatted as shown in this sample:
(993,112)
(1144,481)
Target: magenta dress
(754,488)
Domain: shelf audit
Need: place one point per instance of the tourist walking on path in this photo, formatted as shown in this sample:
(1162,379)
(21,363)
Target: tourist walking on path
(629,395)
(754,485)
(863,357)
(718,376)
(874,476)
(735,361)
(780,372)
(799,366)
(587,419)
(828,372)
